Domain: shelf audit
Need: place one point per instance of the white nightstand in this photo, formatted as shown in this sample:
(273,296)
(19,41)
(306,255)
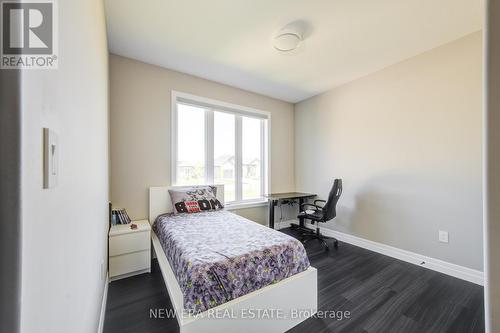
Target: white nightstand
(129,250)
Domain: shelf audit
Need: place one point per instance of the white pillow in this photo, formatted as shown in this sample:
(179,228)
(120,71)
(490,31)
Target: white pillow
(195,199)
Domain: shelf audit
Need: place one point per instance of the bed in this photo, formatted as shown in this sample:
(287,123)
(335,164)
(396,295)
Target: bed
(226,273)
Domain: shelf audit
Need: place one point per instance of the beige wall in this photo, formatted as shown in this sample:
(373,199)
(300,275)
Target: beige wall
(140,131)
(407,143)
(65,228)
(492,169)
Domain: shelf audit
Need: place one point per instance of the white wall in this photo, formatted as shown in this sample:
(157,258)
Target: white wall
(10,200)
(407,143)
(65,228)
(492,169)
(140,131)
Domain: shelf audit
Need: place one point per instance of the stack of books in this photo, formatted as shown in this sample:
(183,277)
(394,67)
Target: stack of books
(119,216)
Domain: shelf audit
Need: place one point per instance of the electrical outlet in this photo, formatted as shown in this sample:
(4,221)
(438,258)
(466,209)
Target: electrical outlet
(443,236)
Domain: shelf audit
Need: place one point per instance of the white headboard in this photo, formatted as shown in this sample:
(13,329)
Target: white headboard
(160,203)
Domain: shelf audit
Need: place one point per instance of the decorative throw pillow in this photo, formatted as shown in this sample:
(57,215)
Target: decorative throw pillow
(195,199)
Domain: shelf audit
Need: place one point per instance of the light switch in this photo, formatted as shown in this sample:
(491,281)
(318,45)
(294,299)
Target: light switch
(50,158)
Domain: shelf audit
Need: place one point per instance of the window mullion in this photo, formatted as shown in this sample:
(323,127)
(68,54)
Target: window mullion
(209,146)
(238,158)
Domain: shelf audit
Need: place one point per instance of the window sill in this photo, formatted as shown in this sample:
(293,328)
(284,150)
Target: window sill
(242,205)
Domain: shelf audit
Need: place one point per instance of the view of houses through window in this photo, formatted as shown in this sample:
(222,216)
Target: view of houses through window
(220,147)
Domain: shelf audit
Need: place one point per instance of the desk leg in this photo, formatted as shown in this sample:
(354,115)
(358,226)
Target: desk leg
(301,220)
(301,224)
(272,203)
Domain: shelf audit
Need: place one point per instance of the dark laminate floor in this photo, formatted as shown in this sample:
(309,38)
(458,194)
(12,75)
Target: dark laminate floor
(382,294)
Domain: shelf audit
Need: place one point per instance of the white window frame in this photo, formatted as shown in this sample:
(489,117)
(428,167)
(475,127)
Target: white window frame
(238,110)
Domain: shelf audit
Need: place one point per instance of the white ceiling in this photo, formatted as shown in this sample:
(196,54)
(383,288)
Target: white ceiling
(229,41)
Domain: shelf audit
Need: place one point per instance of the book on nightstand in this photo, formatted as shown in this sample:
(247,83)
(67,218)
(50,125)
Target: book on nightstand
(119,216)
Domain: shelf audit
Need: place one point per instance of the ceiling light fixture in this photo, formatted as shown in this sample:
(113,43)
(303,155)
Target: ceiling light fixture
(288,38)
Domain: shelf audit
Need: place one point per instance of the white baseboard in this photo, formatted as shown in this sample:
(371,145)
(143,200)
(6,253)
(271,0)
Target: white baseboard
(441,266)
(103,306)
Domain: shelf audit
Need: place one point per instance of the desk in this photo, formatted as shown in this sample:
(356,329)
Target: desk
(274,198)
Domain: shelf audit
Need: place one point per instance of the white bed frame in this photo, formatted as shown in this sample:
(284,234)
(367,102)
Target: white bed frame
(275,308)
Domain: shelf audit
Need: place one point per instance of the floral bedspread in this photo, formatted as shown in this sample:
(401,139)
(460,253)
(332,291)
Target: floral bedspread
(219,256)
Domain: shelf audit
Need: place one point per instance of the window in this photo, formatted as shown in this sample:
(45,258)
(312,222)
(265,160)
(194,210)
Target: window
(191,136)
(219,143)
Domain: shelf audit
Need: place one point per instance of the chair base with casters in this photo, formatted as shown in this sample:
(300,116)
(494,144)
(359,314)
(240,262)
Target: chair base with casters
(311,234)
(321,214)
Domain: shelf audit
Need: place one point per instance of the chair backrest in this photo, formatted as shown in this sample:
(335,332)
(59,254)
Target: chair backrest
(329,210)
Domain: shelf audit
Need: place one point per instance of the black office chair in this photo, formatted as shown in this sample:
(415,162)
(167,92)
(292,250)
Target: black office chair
(322,214)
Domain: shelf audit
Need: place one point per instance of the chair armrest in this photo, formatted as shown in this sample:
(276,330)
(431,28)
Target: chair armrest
(316,207)
(319,200)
